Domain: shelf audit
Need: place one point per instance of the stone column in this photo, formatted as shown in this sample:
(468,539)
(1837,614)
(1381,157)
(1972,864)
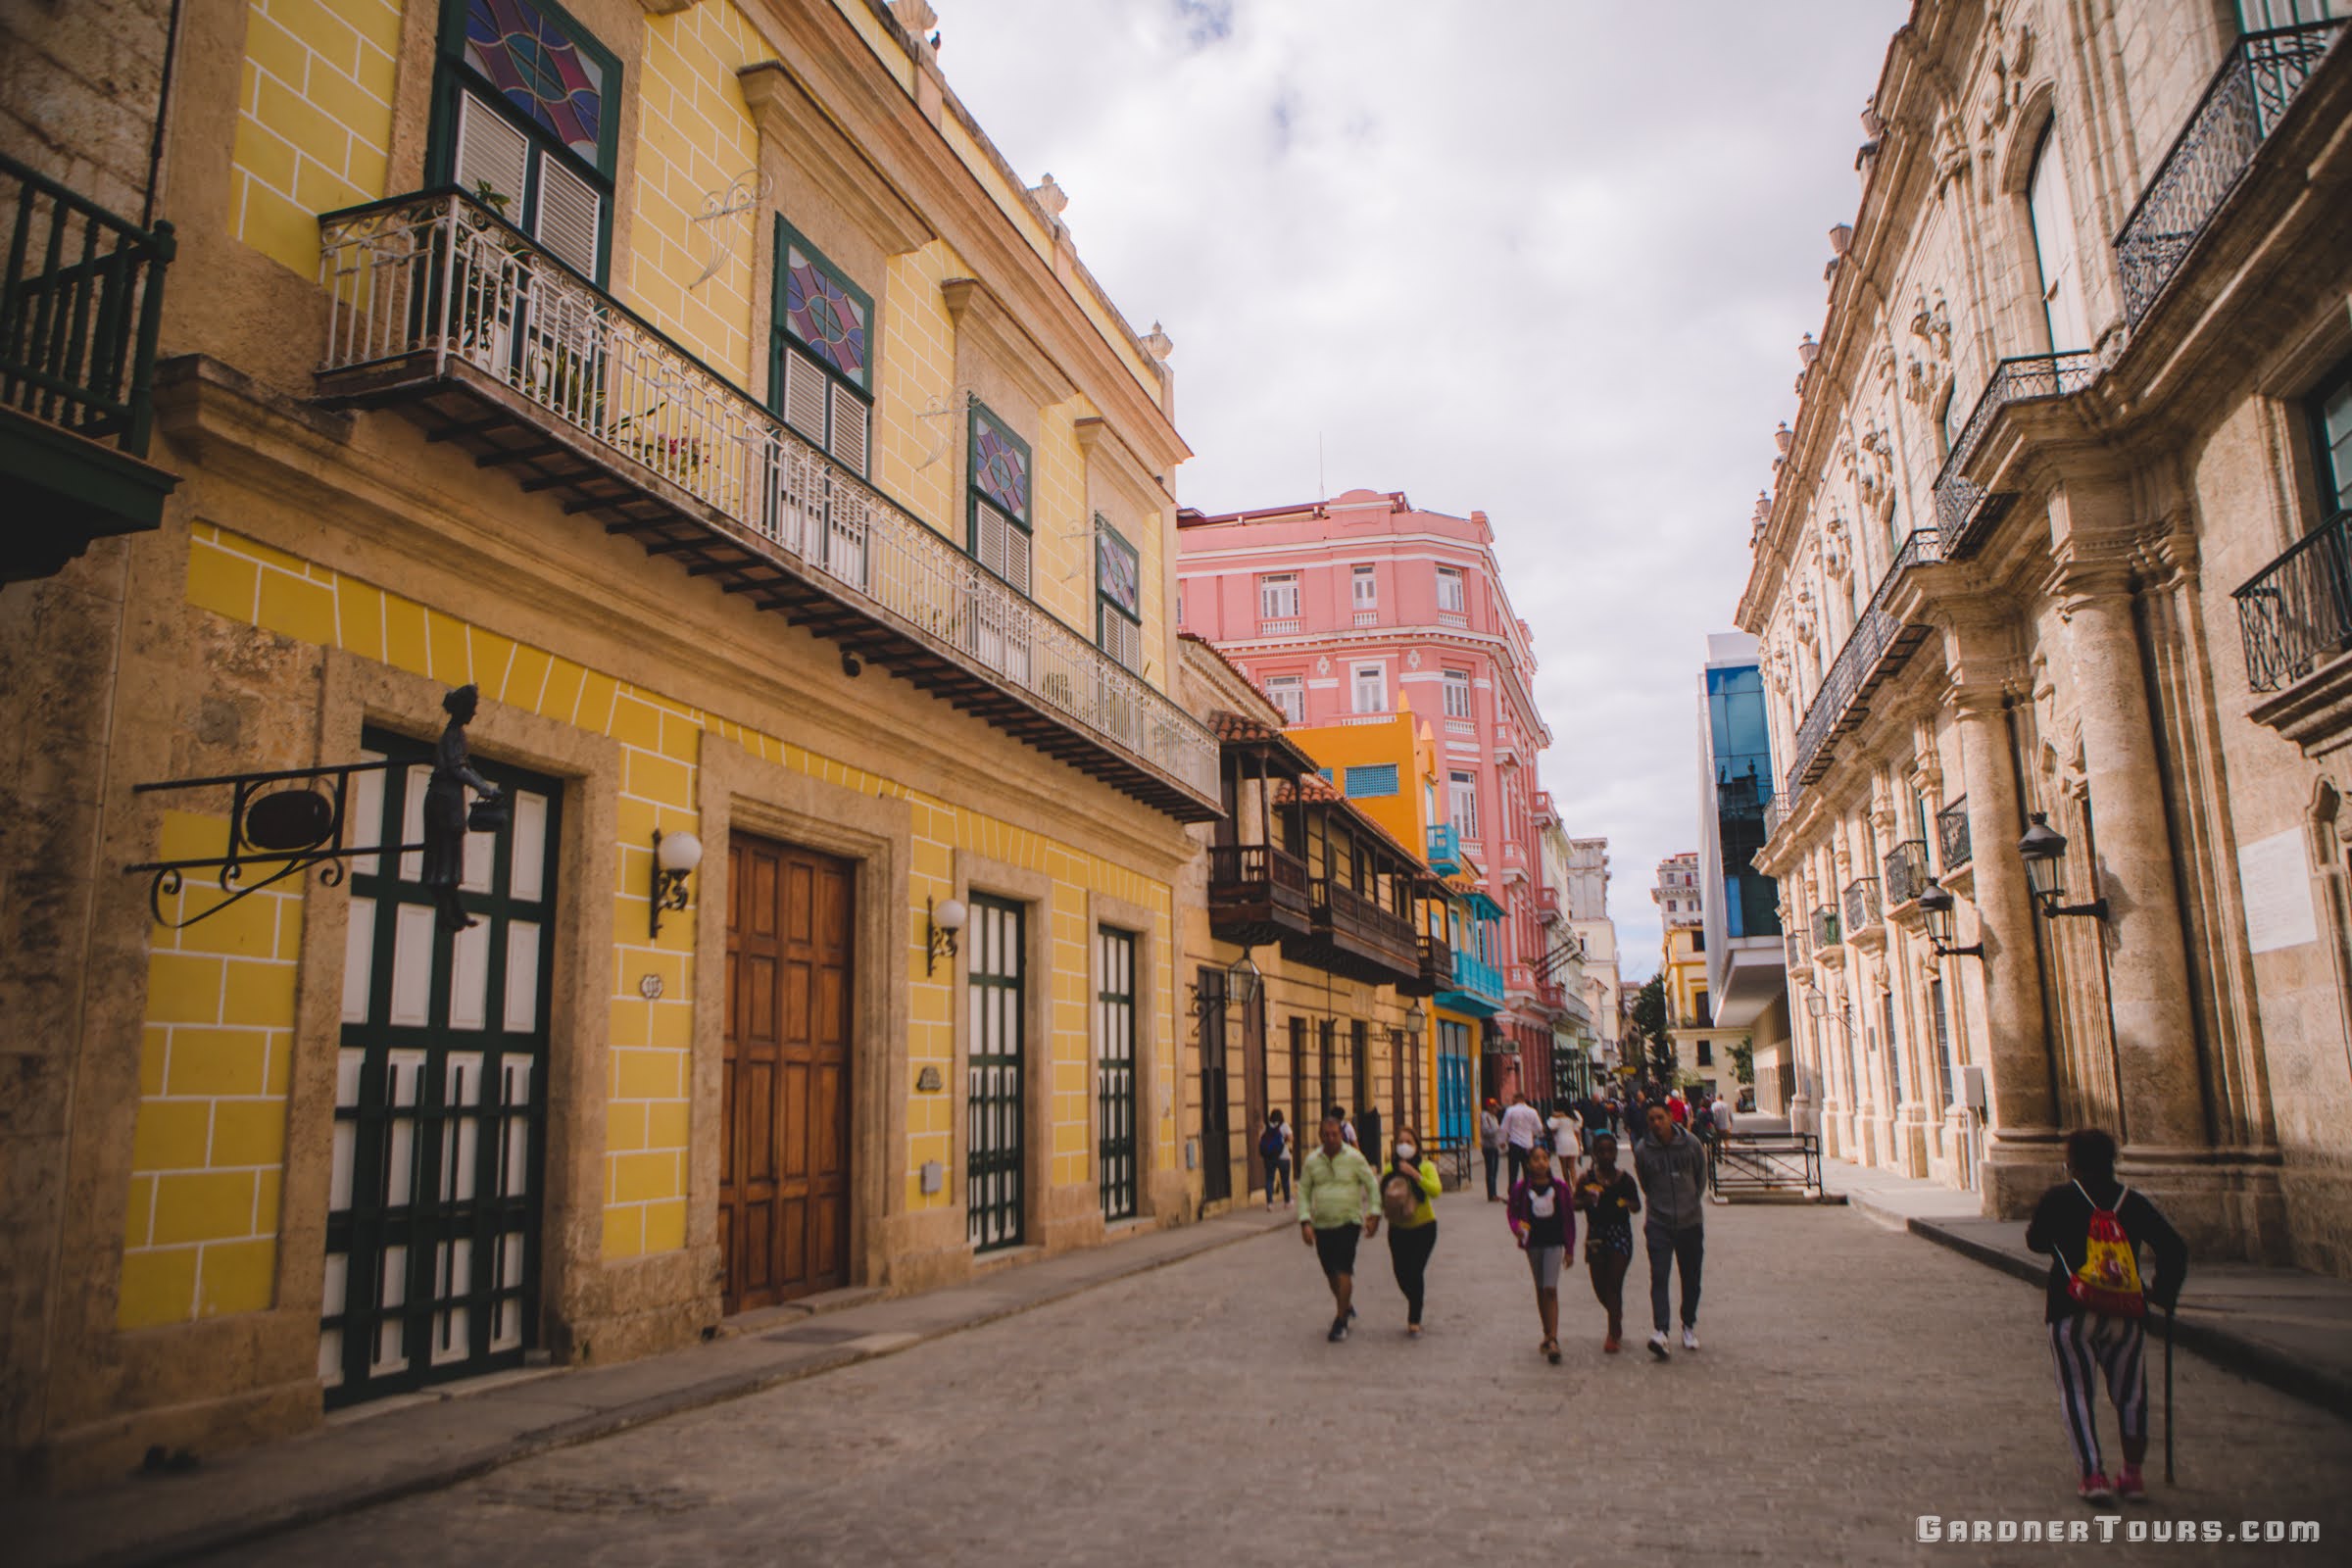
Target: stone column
(2155,1030)
(2020,1154)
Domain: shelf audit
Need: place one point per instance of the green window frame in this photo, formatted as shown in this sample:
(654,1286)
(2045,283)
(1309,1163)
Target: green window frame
(998,472)
(821,386)
(2329,408)
(480,137)
(1119,595)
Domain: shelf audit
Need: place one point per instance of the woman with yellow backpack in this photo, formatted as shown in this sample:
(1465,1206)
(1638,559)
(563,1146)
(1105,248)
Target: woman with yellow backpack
(2093,1227)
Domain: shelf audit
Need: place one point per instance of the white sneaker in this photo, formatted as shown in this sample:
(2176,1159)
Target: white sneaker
(1690,1338)
(1657,1344)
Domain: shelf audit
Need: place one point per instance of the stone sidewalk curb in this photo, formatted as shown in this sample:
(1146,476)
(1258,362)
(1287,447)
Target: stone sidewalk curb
(2231,1351)
(277,1518)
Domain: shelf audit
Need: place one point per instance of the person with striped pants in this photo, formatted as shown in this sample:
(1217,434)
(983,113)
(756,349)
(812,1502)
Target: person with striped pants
(2093,1228)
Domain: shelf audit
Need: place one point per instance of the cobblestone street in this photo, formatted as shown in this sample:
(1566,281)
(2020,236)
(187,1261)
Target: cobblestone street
(1852,1378)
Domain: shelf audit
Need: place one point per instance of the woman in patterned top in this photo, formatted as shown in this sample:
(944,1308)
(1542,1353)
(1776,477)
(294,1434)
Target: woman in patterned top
(1612,1198)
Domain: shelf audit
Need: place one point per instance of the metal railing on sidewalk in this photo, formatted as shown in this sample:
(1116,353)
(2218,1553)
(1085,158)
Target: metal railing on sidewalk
(1759,1164)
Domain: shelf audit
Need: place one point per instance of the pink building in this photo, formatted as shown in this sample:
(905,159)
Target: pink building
(1359,605)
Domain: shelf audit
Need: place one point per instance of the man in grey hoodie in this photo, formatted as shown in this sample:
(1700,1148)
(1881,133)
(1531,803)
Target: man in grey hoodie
(1673,1168)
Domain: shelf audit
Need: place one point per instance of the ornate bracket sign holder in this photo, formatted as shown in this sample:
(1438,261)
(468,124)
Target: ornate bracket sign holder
(747,192)
(284,822)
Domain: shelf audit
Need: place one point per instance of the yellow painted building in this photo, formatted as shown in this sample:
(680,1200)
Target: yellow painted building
(727,412)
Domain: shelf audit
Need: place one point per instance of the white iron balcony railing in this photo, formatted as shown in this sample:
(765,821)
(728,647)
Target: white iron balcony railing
(435,288)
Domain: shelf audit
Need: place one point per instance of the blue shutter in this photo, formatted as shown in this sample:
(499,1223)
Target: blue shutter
(1378,779)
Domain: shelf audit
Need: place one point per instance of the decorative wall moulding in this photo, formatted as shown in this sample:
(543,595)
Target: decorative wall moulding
(977,310)
(791,123)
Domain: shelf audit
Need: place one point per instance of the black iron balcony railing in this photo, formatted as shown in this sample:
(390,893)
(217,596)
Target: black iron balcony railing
(1856,672)
(1793,945)
(2297,611)
(434,294)
(2241,107)
(1906,869)
(80,304)
(1964,509)
(1825,933)
(1861,903)
(1951,834)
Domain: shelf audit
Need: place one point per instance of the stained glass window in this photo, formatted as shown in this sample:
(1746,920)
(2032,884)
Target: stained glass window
(999,466)
(534,62)
(825,315)
(1118,570)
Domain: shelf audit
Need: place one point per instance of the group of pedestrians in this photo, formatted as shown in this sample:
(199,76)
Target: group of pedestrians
(2091,1226)
(1341,1204)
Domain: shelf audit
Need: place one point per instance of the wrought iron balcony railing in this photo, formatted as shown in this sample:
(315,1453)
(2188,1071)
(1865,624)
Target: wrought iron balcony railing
(436,287)
(1861,903)
(1824,928)
(1794,948)
(1856,672)
(1966,511)
(1906,869)
(80,304)
(2242,105)
(1951,834)
(2296,612)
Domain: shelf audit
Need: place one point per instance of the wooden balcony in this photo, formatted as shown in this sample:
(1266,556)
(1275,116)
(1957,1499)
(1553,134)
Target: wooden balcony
(1257,895)
(1355,938)
(1436,969)
(443,310)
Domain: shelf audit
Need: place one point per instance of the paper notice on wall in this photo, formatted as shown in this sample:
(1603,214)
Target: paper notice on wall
(2276,885)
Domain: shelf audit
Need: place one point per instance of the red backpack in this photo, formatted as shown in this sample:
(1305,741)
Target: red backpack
(2108,1281)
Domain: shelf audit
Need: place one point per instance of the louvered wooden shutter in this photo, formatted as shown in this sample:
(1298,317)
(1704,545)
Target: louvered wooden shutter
(1122,639)
(849,428)
(490,152)
(804,395)
(570,213)
(989,538)
(1002,547)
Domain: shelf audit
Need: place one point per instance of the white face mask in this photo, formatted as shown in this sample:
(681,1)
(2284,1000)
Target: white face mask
(1404,1151)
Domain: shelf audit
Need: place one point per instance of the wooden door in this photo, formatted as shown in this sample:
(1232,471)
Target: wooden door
(784,1117)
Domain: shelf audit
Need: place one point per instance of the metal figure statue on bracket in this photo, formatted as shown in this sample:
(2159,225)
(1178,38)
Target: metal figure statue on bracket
(445,817)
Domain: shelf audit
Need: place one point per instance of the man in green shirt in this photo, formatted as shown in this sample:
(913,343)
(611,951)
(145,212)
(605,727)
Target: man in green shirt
(1339,1202)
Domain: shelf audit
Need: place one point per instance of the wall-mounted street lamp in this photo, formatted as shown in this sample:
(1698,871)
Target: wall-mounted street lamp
(2043,849)
(1935,902)
(675,856)
(940,926)
(1242,979)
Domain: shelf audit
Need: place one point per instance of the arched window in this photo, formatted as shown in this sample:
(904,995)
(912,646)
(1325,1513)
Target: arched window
(2053,212)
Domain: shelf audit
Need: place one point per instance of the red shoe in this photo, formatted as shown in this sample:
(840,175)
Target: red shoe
(2095,1489)
(2129,1486)
(1611,1346)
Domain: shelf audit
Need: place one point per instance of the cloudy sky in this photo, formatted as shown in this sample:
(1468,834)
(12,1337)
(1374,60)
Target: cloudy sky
(1549,259)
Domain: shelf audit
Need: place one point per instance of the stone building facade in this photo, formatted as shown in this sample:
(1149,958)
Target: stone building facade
(697,381)
(2057,534)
